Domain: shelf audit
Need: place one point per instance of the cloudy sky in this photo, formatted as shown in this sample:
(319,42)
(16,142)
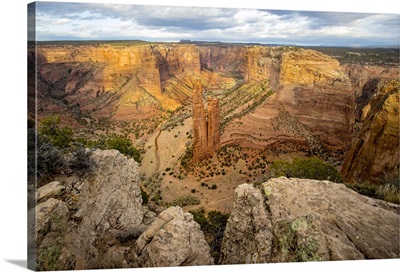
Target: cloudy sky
(79,21)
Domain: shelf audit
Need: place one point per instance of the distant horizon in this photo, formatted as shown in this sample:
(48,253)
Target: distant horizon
(388,46)
(64,21)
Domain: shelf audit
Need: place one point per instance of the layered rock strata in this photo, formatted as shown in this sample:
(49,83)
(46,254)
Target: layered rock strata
(131,81)
(367,80)
(312,108)
(374,153)
(308,220)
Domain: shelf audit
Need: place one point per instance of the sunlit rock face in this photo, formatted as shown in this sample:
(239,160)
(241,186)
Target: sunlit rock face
(374,153)
(206,125)
(312,107)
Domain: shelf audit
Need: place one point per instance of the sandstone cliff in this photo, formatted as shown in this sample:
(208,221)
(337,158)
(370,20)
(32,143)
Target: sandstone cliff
(312,108)
(117,80)
(143,81)
(206,125)
(308,220)
(366,81)
(374,153)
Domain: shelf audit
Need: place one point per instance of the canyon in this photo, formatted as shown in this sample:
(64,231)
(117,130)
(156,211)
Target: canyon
(280,98)
(209,121)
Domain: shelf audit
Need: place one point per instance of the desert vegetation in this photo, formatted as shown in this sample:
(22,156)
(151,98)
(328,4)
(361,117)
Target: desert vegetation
(312,168)
(364,56)
(213,225)
(61,150)
(388,190)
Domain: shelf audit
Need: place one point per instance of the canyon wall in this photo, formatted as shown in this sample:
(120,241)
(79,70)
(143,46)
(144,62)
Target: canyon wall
(123,81)
(312,107)
(318,94)
(367,80)
(263,63)
(374,153)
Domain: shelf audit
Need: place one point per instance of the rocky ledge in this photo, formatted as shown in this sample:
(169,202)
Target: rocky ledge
(307,220)
(99,221)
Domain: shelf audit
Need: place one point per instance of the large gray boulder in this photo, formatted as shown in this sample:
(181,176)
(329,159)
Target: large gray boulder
(51,223)
(309,220)
(248,234)
(108,208)
(173,239)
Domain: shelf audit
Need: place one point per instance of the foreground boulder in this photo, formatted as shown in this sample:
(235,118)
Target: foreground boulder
(108,209)
(86,225)
(248,234)
(97,221)
(173,239)
(308,220)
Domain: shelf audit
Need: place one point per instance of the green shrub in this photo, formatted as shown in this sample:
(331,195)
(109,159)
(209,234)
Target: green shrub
(81,161)
(145,196)
(60,136)
(199,217)
(363,188)
(123,145)
(151,188)
(214,186)
(312,168)
(213,226)
(50,161)
(389,192)
(47,258)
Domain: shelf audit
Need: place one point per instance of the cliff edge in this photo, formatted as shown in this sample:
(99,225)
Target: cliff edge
(289,220)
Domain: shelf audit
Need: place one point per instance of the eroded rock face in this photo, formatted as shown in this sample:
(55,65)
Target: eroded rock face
(374,153)
(94,215)
(312,108)
(173,239)
(99,222)
(263,63)
(318,94)
(206,125)
(108,208)
(116,80)
(51,190)
(248,234)
(310,220)
(51,218)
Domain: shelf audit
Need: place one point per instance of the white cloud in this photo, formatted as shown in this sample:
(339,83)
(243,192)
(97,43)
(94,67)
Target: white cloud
(108,21)
(61,21)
